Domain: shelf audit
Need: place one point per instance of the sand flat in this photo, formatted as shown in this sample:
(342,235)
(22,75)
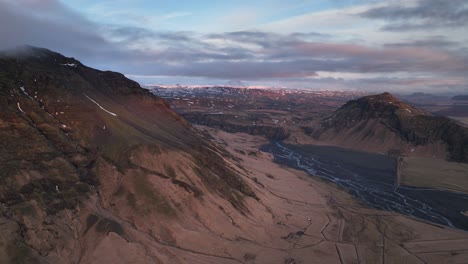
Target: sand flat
(433,173)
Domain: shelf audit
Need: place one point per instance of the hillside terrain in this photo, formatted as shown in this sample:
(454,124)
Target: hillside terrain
(380,123)
(95,169)
(72,135)
(377,123)
(432,150)
(384,124)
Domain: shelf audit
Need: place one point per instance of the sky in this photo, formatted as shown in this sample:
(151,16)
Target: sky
(402,46)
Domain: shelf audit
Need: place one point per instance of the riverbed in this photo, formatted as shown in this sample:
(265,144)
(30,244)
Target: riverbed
(371,178)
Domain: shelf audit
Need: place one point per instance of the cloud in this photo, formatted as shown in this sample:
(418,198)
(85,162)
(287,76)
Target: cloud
(248,70)
(423,15)
(308,35)
(433,42)
(129,32)
(48,24)
(175,15)
(307,58)
(329,21)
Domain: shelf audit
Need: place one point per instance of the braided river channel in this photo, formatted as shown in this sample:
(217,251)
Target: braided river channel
(371,178)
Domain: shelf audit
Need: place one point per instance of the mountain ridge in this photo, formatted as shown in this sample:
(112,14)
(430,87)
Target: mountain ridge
(94,145)
(392,126)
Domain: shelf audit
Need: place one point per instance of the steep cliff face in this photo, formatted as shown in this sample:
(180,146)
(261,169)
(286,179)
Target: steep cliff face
(383,123)
(82,151)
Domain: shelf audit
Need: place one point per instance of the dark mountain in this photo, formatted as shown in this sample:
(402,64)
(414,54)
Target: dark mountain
(383,123)
(86,148)
(460,97)
(423,99)
(455,110)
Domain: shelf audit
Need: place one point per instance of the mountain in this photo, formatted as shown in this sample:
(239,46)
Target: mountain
(385,124)
(95,169)
(85,151)
(422,100)
(460,97)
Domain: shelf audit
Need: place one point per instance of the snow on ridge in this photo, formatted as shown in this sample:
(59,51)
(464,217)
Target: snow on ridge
(282,90)
(24,91)
(19,108)
(69,64)
(102,108)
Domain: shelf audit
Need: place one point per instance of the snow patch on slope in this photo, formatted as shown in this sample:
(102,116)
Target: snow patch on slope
(102,108)
(69,64)
(19,108)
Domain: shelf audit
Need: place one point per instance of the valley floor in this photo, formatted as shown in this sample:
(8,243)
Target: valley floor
(426,172)
(297,219)
(304,220)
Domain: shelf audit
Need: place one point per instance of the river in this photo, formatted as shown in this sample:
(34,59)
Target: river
(371,178)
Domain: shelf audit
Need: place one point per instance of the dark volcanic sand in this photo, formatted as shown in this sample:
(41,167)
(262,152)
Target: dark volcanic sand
(372,179)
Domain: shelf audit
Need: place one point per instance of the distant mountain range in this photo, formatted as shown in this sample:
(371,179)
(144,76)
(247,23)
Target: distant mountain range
(460,97)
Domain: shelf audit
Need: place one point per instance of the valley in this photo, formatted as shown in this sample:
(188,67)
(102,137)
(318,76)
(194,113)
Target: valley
(96,169)
(336,219)
(268,112)
(233,132)
(372,179)
(409,173)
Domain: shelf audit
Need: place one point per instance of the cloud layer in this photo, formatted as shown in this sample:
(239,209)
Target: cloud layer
(423,15)
(309,59)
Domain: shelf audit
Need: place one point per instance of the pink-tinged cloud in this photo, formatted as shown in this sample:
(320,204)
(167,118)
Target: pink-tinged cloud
(243,55)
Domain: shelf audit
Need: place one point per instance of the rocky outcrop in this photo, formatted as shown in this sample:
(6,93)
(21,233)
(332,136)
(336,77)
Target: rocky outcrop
(223,123)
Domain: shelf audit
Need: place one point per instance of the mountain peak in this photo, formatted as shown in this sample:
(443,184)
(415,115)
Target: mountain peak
(380,105)
(384,107)
(39,55)
(28,51)
(386,96)
(40,65)
(383,123)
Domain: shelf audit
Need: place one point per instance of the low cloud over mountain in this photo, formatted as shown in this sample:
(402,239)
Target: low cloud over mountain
(357,46)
